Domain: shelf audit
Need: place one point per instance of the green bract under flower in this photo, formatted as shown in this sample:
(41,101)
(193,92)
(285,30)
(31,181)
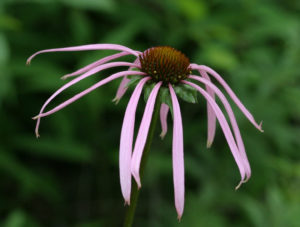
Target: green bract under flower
(184,92)
(165,64)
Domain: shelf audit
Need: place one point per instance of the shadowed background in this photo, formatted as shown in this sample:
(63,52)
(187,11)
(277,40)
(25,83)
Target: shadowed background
(69,177)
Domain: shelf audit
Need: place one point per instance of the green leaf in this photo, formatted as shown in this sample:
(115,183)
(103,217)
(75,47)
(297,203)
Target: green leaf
(147,90)
(18,218)
(5,51)
(186,93)
(29,181)
(54,148)
(165,97)
(104,5)
(133,81)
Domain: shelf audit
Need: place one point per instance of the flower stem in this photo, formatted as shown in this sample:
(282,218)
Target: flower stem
(135,192)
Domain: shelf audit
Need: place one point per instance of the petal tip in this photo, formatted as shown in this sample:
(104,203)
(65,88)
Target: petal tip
(37,134)
(35,117)
(208,144)
(162,135)
(116,100)
(246,180)
(248,176)
(126,203)
(65,77)
(179,216)
(239,185)
(138,182)
(260,127)
(136,176)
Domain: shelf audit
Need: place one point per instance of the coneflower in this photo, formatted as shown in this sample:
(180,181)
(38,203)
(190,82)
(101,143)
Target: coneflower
(166,70)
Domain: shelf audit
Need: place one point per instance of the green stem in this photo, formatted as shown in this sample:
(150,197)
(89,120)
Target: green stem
(135,192)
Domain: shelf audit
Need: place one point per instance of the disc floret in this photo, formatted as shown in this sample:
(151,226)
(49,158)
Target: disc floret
(165,64)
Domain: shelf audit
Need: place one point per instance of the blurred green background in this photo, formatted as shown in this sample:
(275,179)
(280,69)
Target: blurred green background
(69,177)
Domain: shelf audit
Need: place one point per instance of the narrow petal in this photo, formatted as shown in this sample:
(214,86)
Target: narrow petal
(211,117)
(89,73)
(234,124)
(178,160)
(164,109)
(142,134)
(126,141)
(121,90)
(226,129)
(83,93)
(230,92)
(95,64)
(87,47)
(123,85)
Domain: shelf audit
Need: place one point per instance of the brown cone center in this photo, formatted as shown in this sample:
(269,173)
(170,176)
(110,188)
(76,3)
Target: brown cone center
(165,64)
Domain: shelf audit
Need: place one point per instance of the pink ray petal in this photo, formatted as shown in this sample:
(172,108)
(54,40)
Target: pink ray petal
(211,117)
(232,119)
(123,85)
(164,109)
(178,160)
(230,92)
(87,47)
(121,90)
(226,129)
(126,141)
(83,93)
(142,134)
(89,73)
(95,64)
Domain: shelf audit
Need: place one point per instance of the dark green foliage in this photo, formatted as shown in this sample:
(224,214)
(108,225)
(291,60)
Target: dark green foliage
(186,93)
(69,176)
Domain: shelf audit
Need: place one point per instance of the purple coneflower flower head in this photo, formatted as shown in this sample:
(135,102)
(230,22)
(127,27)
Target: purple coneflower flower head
(165,73)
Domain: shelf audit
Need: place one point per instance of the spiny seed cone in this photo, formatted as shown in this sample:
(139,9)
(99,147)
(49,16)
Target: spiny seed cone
(165,64)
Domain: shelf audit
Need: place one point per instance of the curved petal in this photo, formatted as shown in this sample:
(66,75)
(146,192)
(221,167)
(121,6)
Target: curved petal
(87,47)
(121,89)
(95,64)
(89,73)
(123,85)
(164,109)
(126,141)
(226,129)
(234,124)
(211,117)
(230,92)
(83,93)
(178,160)
(142,134)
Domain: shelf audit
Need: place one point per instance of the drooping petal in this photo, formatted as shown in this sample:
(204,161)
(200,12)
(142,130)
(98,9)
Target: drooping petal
(121,90)
(83,93)
(87,47)
(230,92)
(95,64)
(123,85)
(178,160)
(211,117)
(142,134)
(89,73)
(126,141)
(232,119)
(226,129)
(164,109)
